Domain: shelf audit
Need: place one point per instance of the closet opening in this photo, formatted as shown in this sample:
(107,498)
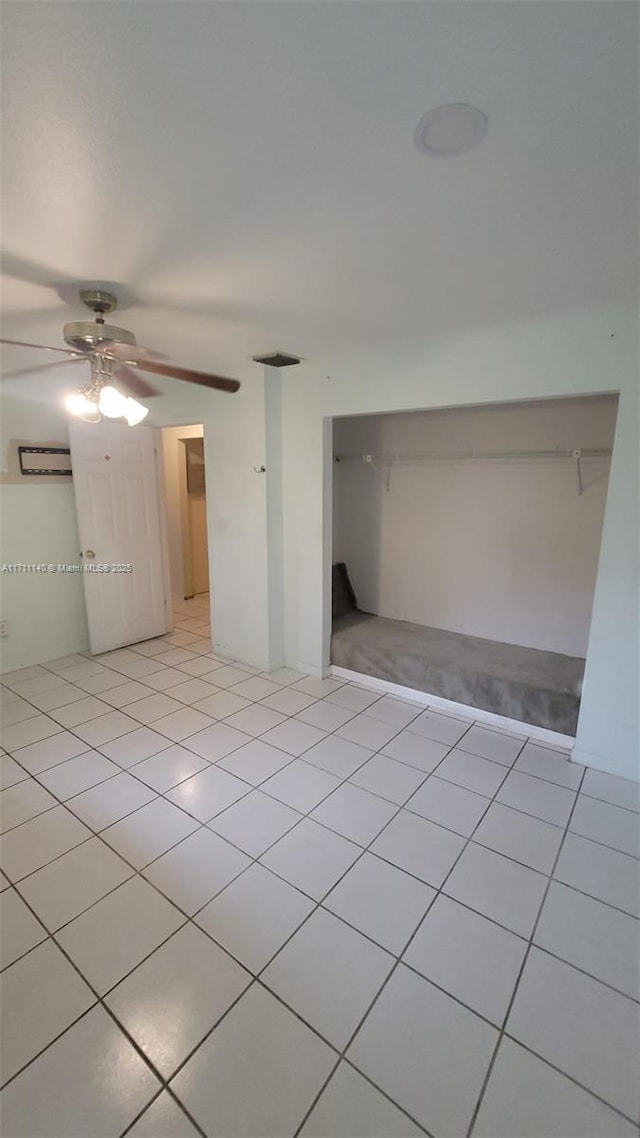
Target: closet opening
(465,551)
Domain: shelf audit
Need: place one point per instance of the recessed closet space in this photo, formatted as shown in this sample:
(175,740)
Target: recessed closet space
(471,538)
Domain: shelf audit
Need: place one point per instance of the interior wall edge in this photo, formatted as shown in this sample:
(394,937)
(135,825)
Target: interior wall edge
(598,761)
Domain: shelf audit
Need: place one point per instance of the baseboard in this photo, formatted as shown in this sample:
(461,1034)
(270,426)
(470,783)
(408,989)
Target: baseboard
(553,739)
(32,660)
(308,669)
(629,768)
(225,652)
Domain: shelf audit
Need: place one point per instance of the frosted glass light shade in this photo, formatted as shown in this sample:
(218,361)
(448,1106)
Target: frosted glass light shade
(134,412)
(78,404)
(112,403)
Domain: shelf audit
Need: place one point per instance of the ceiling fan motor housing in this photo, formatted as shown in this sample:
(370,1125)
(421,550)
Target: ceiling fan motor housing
(84,336)
(99,300)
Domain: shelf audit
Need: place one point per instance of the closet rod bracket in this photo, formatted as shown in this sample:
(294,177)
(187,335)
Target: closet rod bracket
(385,473)
(577,454)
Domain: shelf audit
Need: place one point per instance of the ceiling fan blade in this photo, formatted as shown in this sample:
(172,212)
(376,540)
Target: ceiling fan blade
(15,316)
(44,348)
(32,272)
(134,384)
(173,372)
(135,356)
(129,353)
(42,367)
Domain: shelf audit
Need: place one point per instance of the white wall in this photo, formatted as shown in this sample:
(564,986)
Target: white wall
(45,611)
(506,551)
(173,457)
(574,354)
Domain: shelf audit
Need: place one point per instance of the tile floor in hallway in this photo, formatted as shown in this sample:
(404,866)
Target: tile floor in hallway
(255,906)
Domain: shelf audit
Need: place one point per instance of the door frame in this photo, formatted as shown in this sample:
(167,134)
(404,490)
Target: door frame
(164,531)
(185,521)
(183,508)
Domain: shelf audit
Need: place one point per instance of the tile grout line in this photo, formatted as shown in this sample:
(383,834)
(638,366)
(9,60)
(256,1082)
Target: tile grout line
(207,823)
(257,977)
(342,782)
(190,920)
(199,1044)
(514,993)
(500,1029)
(254,738)
(149,726)
(571,1078)
(100,999)
(251,787)
(314,1030)
(405,727)
(292,759)
(258,738)
(139,873)
(380,752)
(256,860)
(230,689)
(343,1059)
(166,1089)
(397,960)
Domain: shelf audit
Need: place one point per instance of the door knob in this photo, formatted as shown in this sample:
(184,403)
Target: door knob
(89,553)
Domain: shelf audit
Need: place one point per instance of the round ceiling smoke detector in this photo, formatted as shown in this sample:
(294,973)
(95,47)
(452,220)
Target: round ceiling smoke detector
(450,129)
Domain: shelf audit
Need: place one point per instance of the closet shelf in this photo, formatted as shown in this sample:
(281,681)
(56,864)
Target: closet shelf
(382,463)
(477,456)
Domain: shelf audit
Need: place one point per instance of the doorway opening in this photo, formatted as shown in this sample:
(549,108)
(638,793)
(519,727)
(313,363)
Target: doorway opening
(187,535)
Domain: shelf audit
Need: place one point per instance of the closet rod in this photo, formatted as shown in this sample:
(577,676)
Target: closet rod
(476,455)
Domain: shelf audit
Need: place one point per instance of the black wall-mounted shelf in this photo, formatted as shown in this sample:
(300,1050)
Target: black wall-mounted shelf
(42,468)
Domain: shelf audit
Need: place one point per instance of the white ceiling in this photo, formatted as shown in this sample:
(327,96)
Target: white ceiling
(245,172)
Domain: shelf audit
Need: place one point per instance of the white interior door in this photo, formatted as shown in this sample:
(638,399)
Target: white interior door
(119,523)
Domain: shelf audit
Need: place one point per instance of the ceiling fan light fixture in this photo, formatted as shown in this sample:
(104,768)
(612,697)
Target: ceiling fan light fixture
(112,402)
(80,405)
(106,401)
(134,412)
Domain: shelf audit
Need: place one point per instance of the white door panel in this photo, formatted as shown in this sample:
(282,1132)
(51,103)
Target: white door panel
(117,502)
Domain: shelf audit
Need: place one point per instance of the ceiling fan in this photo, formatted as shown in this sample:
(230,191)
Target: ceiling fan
(112,354)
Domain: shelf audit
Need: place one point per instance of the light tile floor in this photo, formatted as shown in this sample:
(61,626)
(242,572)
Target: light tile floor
(248,906)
